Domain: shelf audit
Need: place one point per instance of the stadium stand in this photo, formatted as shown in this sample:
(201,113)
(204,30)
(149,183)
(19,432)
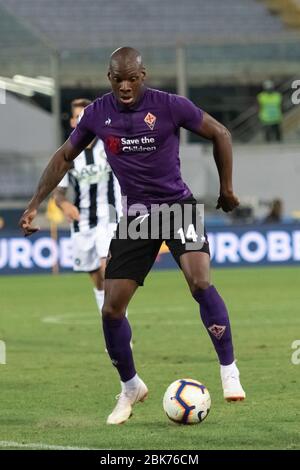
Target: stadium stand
(223,40)
(65,22)
(231,47)
(289,10)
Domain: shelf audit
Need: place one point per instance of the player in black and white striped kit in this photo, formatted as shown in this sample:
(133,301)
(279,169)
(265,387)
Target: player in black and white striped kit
(96,210)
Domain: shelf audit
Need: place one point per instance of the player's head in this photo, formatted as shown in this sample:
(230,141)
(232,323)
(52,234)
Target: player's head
(126,74)
(276,207)
(77,106)
(268,85)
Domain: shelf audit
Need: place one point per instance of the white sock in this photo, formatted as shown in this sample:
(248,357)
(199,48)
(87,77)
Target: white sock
(131,384)
(228,370)
(99,294)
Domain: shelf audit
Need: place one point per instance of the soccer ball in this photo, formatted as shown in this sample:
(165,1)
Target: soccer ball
(187,401)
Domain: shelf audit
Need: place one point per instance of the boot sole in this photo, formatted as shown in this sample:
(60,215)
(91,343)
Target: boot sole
(234,398)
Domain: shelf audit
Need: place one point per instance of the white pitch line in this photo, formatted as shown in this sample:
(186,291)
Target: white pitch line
(34,445)
(84,319)
(69,319)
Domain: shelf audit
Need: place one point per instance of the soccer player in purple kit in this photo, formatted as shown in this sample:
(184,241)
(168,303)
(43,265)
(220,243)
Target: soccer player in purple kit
(140,130)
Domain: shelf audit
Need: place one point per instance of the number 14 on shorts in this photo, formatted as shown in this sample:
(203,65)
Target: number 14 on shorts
(190,235)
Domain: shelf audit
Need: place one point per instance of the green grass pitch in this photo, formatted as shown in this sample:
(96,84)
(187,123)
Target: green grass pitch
(58,385)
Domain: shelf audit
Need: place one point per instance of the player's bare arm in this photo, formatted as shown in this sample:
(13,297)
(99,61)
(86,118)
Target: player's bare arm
(222,149)
(59,164)
(70,211)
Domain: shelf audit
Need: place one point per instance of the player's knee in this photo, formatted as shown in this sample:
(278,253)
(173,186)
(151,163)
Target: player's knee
(197,284)
(112,311)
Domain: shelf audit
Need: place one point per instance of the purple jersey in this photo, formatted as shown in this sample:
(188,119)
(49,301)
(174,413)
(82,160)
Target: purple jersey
(142,143)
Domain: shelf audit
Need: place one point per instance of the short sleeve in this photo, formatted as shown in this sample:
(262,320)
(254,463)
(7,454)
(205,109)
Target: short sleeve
(83,134)
(64,183)
(185,113)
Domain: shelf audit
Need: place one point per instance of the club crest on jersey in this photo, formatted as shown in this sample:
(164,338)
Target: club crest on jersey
(150,120)
(217,330)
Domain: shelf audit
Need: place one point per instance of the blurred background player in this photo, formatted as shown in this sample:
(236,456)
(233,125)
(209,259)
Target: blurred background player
(274,215)
(270,112)
(96,209)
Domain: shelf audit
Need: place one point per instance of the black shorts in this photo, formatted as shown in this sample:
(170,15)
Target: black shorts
(132,258)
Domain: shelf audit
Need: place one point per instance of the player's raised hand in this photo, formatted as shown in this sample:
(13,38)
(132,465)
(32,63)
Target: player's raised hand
(227,202)
(26,220)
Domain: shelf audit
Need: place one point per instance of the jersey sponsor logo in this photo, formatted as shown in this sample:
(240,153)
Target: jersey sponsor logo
(91,174)
(113,144)
(150,120)
(118,145)
(217,330)
(108,122)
